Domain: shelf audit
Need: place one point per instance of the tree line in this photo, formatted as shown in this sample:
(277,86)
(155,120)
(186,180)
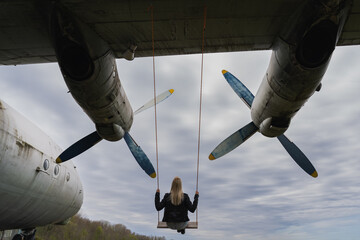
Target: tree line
(80,228)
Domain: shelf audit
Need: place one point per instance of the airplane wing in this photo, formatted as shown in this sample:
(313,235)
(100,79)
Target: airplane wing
(231,26)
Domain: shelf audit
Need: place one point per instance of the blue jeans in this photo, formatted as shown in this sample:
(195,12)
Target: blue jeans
(177,225)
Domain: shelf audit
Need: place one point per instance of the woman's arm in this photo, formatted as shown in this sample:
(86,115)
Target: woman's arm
(159,205)
(192,206)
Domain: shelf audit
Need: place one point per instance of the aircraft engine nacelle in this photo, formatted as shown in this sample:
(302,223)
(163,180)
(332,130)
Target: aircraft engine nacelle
(298,63)
(89,68)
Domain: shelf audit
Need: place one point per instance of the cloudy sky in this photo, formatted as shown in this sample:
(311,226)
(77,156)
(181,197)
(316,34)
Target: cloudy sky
(255,192)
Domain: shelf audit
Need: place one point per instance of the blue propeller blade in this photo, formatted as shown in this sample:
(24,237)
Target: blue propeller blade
(233,141)
(140,156)
(298,156)
(79,147)
(240,89)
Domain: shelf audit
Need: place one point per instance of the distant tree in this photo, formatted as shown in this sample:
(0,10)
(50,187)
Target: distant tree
(84,235)
(99,233)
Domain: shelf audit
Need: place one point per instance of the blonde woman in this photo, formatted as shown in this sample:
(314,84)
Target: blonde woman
(176,204)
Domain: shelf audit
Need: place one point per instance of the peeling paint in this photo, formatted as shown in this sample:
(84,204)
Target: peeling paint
(31,196)
(24,148)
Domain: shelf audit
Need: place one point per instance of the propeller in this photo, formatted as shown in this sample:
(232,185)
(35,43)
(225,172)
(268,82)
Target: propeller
(79,147)
(234,141)
(298,156)
(161,97)
(240,136)
(90,140)
(140,156)
(93,138)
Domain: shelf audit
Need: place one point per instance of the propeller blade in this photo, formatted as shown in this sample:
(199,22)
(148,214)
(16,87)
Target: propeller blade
(239,88)
(79,147)
(140,156)
(298,156)
(233,141)
(161,97)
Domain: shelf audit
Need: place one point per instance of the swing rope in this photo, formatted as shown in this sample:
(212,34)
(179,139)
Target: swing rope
(200,107)
(156,135)
(200,104)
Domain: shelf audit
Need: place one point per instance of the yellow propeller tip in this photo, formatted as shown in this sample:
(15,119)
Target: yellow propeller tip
(224,71)
(314,174)
(211,157)
(58,160)
(171,91)
(153,175)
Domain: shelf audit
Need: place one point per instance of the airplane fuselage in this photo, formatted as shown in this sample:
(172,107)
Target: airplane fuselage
(34,190)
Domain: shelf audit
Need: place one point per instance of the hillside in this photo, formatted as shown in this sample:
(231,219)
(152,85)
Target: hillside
(80,228)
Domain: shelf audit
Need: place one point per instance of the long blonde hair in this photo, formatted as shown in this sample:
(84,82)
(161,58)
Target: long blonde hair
(176,192)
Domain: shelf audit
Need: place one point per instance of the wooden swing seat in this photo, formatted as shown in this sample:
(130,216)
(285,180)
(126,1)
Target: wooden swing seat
(191,225)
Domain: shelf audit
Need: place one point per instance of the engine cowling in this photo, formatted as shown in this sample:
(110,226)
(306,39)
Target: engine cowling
(89,68)
(300,58)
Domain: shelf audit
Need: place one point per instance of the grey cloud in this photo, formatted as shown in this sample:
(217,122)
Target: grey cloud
(254,192)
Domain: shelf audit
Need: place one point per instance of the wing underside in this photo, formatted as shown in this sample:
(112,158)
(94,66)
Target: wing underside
(231,26)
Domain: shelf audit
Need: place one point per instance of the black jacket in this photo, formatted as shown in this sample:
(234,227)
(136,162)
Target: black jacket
(174,213)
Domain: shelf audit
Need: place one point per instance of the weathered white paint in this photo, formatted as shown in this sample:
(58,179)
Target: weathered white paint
(31,195)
